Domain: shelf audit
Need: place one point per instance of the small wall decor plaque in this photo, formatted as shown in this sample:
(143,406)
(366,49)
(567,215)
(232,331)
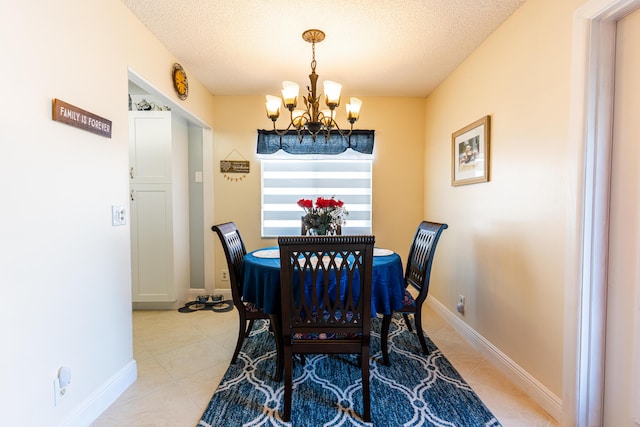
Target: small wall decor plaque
(77,117)
(234,166)
(470,153)
(228,167)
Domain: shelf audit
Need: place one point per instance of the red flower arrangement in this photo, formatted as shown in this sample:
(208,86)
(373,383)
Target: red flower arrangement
(325,216)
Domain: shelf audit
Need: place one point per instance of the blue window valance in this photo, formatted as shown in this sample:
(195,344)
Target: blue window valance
(360,140)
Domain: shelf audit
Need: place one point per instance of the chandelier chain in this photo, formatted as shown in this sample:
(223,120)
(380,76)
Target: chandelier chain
(313,57)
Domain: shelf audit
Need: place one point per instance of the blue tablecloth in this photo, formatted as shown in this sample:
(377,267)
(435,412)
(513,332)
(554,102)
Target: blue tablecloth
(261,283)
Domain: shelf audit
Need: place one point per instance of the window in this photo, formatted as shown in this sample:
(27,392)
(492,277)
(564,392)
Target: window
(284,182)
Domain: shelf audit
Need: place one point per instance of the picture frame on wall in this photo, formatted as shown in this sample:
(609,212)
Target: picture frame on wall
(470,153)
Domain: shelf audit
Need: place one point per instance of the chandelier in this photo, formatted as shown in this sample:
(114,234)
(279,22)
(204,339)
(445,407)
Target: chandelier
(311,119)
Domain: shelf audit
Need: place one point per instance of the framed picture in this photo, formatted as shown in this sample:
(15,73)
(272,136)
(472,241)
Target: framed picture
(470,153)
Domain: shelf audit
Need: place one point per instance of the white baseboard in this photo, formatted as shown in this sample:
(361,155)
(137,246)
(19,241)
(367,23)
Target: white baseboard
(101,399)
(548,401)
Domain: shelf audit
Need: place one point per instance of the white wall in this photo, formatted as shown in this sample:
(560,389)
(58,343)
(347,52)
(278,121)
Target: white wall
(64,270)
(197,229)
(622,380)
(180,196)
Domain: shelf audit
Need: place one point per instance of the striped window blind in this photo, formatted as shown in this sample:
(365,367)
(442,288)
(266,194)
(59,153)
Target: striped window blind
(284,182)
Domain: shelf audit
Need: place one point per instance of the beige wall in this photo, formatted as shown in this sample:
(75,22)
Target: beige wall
(506,246)
(398,170)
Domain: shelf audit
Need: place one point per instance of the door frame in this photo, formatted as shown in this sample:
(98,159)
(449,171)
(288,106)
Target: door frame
(591,128)
(207,174)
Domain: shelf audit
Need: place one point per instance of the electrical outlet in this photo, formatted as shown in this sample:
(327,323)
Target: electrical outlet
(59,392)
(224,275)
(460,306)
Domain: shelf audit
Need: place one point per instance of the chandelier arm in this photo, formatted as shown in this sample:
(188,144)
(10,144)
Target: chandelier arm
(333,125)
(281,132)
(343,133)
(301,136)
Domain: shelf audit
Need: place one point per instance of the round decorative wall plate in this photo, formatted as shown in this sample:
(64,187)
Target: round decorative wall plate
(180,83)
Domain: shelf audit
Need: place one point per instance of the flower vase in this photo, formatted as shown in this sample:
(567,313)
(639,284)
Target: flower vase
(317,231)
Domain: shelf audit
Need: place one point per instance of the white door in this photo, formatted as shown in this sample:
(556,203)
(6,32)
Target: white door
(150,147)
(151,207)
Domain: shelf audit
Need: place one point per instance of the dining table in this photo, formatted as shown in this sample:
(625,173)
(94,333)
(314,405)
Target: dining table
(261,280)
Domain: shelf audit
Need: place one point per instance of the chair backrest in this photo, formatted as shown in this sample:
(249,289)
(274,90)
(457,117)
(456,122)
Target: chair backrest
(234,251)
(305,231)
(336,272)
(423,247)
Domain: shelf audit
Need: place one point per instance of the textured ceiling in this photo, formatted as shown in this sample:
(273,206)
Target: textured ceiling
(372,47)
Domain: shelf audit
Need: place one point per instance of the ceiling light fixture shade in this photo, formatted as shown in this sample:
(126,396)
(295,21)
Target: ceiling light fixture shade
(311,120)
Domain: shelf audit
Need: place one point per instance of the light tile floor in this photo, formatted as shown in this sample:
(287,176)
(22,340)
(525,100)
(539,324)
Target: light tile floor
(182,357)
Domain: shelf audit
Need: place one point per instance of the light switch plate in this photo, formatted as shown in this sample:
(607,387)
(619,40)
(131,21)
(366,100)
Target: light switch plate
(118,215)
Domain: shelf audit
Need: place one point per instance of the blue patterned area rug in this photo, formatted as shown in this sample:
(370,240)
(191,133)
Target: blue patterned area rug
(416,390)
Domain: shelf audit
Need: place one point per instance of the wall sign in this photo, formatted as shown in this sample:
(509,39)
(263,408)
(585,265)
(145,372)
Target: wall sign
(234,166)
(77,117)
(228,166)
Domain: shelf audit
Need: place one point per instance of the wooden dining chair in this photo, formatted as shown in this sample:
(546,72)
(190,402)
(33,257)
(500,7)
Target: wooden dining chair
(417,275)
(332,315)
(234,251)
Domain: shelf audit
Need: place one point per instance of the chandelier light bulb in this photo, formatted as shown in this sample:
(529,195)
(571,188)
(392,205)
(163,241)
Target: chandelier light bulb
(353,110)
(273,106)
(297,118)
(290,94)
(332,93)
(327,117)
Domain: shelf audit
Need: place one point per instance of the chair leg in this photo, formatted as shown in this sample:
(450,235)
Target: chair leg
(407,322)
(366,391)
(288,384)
(274,324)
(384,336)
(249,327)
(418,319)
(241,334)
